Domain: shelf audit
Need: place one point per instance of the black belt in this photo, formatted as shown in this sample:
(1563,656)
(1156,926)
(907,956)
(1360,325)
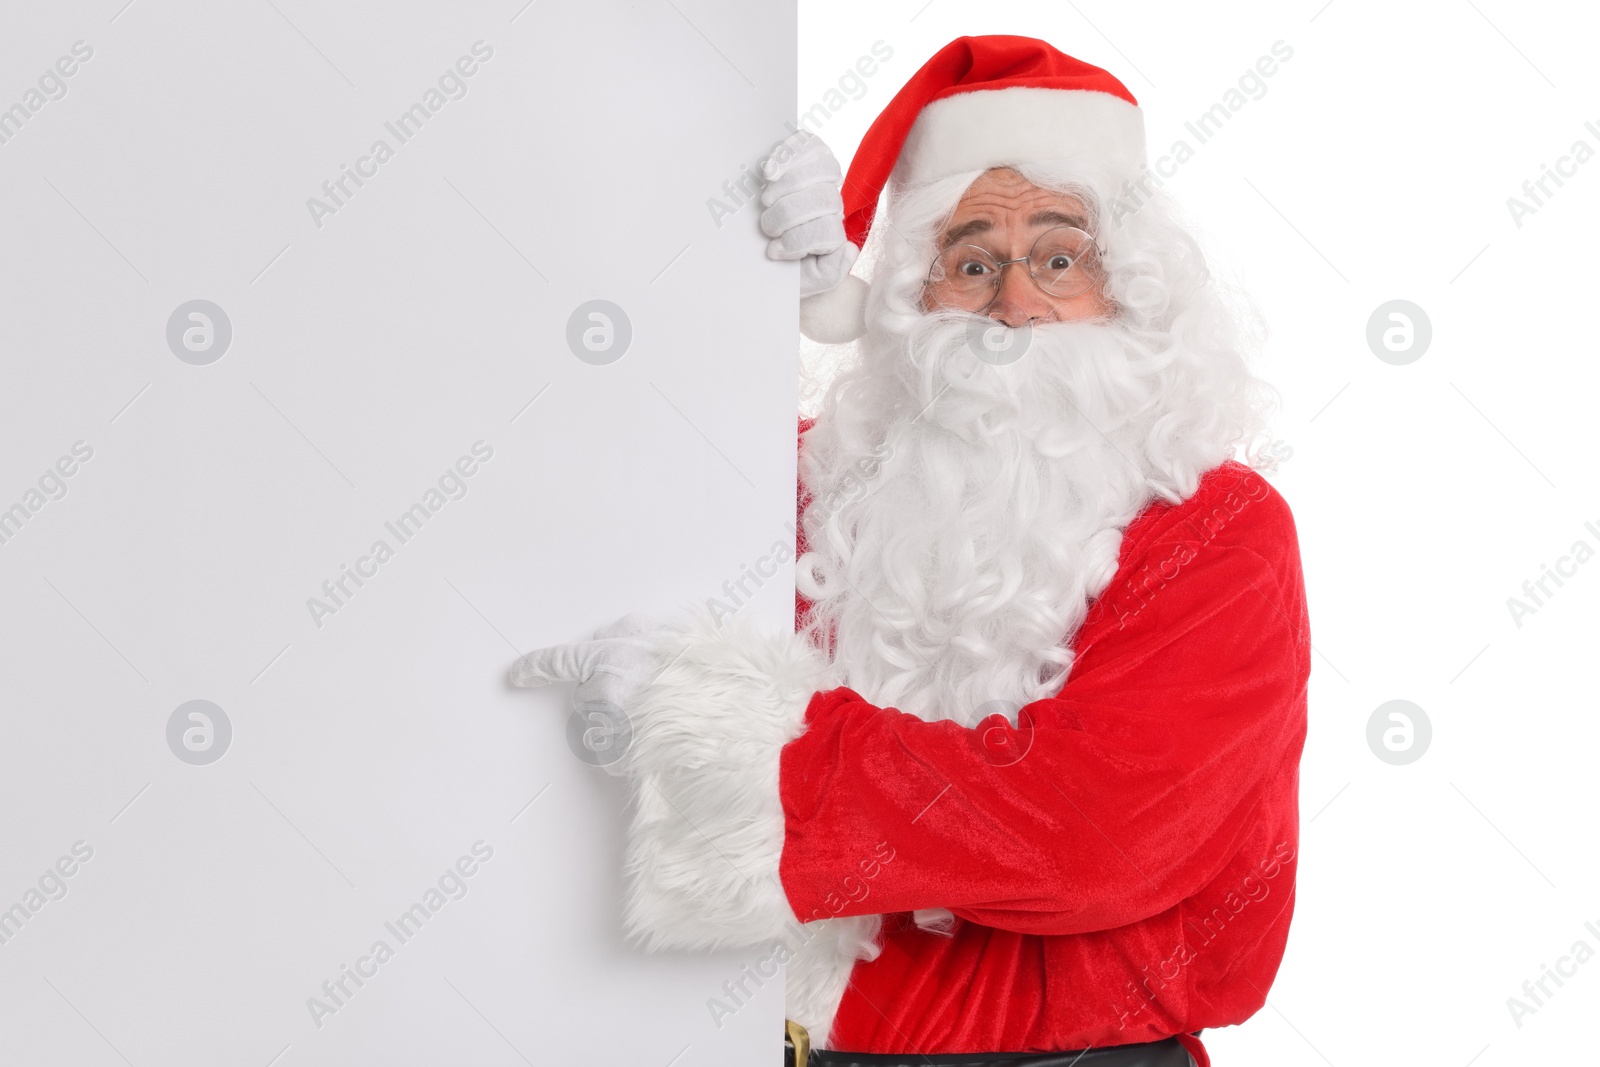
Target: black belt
(1165,1053)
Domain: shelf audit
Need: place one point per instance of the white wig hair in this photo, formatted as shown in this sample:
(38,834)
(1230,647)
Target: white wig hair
(962,515)
(1196,330)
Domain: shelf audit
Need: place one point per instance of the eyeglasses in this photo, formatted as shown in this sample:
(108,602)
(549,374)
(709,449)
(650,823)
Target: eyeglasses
(1064,262)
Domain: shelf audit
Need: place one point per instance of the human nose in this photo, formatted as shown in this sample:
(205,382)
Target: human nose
(1019,301)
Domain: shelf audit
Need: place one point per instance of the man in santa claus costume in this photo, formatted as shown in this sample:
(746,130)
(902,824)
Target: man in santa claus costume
(1024,781)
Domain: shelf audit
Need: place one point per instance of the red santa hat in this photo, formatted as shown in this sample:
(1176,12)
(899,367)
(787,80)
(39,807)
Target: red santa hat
(980,102)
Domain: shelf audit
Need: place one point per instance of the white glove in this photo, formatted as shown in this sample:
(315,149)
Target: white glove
(939,921)
(804,213)
(610,671)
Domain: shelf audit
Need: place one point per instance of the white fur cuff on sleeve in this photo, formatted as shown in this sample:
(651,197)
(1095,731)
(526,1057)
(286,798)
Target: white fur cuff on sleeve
(707,829)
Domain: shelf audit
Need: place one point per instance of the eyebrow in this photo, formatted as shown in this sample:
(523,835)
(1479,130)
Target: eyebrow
(1038,218)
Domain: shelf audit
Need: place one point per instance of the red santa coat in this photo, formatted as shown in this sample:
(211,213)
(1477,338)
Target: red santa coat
(1122,864)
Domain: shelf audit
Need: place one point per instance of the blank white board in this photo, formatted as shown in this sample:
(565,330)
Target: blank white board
(243,347)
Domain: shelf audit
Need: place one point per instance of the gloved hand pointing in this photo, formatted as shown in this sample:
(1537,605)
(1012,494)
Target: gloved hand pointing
(610,670)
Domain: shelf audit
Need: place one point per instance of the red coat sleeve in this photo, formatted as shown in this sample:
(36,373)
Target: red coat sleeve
(1175,739)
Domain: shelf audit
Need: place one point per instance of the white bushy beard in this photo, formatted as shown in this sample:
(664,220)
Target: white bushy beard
(963,515)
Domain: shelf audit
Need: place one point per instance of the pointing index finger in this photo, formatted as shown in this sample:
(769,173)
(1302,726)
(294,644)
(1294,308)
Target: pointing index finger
(555,663)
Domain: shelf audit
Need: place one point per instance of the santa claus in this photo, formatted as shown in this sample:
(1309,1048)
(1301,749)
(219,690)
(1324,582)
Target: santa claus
(1024,780)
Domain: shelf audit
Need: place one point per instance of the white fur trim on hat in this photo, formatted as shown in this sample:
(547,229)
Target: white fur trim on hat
(1020,124)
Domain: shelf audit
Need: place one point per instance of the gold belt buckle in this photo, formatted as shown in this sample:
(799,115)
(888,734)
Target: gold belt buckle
(796,1036)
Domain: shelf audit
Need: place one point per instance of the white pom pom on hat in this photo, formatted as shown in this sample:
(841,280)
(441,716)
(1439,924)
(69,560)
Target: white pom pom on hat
(836,316)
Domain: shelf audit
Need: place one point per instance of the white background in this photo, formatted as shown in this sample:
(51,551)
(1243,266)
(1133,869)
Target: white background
(370,353)
(1377,167)
(428,313)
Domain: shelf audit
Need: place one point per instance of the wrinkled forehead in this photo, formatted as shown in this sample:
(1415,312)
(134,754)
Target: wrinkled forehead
(1000,199)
